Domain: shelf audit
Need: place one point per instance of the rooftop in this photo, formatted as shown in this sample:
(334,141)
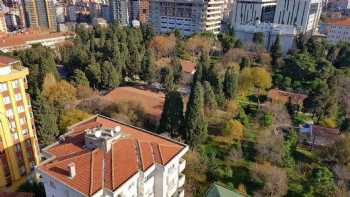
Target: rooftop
(341,21)
(20,38)
(219,191)
(15,194)
(151,100)
(5,60)
(133,151)
(284,96)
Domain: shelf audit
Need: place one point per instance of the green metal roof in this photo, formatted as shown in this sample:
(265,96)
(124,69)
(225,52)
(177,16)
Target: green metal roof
(219,191)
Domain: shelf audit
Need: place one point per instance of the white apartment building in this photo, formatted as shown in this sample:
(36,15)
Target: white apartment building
(287,34)
(304,14)
(336,30)
(188,16)
(101,157)
(249,11)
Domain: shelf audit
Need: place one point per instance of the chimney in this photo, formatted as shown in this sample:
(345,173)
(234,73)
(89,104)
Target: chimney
(71,168)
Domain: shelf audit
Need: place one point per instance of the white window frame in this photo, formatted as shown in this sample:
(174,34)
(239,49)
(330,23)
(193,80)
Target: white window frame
(6,100)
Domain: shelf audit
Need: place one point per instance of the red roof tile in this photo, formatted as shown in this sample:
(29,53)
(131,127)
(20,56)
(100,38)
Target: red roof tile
(5,60)
(138,150)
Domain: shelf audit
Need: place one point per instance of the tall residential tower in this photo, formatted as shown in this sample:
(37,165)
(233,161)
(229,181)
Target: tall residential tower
(19,151)
(41,14)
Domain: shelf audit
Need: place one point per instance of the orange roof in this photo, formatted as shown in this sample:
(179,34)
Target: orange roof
(5,60)
(150,100)
(188,66)
(8,40)
(341,21)
(284,96)
(139,150)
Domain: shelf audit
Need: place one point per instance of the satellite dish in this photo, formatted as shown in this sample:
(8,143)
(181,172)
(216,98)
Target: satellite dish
(98,133)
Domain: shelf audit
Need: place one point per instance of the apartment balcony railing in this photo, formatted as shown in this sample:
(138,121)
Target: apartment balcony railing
(182,193)
(182,165)
(181,181)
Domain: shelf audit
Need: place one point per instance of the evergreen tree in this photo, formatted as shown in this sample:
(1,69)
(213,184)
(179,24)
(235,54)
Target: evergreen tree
(230,83)
(148,73)
(93,73)
(110,77)
(276,51)
(209,96)
(177,68)
(258,38)
(45,121)
(79,78)
(195,124)
(172,116)
(167,78)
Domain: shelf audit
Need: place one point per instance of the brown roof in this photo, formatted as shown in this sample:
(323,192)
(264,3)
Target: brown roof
(284,96)
(15,194)
(138,151)
(5,60)
(324,131)
(151,101)
(7,40)
(188,66)
(341,21)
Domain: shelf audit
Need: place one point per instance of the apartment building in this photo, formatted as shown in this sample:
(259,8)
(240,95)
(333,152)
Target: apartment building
(187,16)
(304,14)
(249,11)
(3,27)
(41,14)
(103,157)
(19,151)
(120,11)
(336,30)
(139,10)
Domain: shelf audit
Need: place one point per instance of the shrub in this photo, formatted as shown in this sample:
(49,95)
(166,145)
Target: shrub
(266,119)
(233,129)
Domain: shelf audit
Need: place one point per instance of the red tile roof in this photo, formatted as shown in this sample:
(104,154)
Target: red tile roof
(139,150)
(15,194)
(5,60)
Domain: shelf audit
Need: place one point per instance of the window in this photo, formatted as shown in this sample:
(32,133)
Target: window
(52,184)
(18,96)
(30,155)
(6,100)
(22,121)
(13,125)
(18,148)
(20,109)
(22,170)
(28,143)
(3,87)
(9,113)
(14,137)
(15,84)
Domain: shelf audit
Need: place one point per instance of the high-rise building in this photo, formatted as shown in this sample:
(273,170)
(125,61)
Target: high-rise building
(249,11)
(106,12)
(120,11)
(139,10)
(3,27)
(103,157)
(19,151)
(213,15)
(303,14)
(41,14)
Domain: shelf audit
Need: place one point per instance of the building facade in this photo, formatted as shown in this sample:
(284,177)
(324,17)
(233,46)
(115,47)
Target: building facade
(304,14)
(105,158)
(41,14)
(120,11)
(139,10)
(19,151)
(3,26)
(336,30)
(249,11)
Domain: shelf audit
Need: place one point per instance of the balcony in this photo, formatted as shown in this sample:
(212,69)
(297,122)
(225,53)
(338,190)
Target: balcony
(181,193)
(181,181)
(182,165)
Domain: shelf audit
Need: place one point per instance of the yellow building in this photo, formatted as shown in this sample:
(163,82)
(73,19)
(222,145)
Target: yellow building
(3,27)
(19,151)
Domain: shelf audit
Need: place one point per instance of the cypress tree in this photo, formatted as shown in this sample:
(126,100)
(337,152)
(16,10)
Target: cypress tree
(167,78)
(172,116)
(110,77)
(148,73)
(209,96)
(276,51)
(93,73)
(195,124)
(177,68)
(79,78)
(230,83)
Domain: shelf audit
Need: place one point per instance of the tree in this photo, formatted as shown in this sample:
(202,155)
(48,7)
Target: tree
(110,77)
(59,92)
(93,73)
(172,116)
(276,51)
(167,78)
(230,83)
(45,121)
(233,129)
(79,78)
(209,96)
(322,182)
(274,179)
(258,38)
(266,119)
(245,62)
(163,45)
(177,68)
(269,147)
(148,73)
(70,117)
(195,123)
